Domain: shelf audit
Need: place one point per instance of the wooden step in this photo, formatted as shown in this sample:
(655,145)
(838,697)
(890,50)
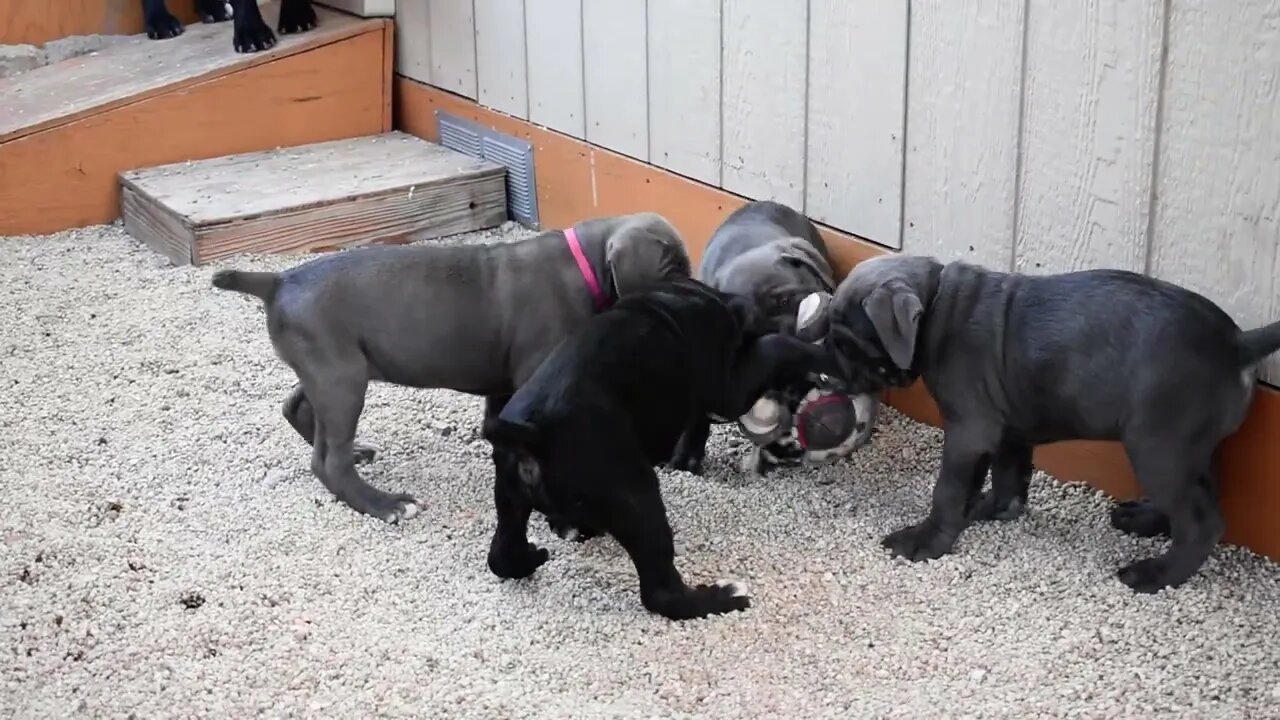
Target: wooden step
(383,188)
(68,128)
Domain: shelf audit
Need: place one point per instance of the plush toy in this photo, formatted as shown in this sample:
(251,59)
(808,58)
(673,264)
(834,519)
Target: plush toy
(821,426)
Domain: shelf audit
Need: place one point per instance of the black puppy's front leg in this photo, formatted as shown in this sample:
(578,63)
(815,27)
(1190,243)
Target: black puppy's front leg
(159,22)
(511,555)
(964,466)
(771,361)
(639,524)
(691,449)
(249,31)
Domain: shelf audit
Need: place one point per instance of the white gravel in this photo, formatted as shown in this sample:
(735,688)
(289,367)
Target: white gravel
(165,552)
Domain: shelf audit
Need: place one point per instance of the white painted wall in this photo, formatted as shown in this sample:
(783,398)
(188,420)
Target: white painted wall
(1032,135)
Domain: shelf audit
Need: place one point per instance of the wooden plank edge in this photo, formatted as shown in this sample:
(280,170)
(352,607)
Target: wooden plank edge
(478,174)
(1250,459)
(388,73)
(243,63)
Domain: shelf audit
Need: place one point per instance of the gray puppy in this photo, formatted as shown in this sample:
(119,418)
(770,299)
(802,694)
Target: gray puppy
(1016,361)
(477,319)
(772,254)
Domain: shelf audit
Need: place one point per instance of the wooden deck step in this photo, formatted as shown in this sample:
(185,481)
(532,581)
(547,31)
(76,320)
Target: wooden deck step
(68,128)
(382,188)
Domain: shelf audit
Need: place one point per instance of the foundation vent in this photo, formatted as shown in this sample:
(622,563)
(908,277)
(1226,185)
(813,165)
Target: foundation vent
(515,155)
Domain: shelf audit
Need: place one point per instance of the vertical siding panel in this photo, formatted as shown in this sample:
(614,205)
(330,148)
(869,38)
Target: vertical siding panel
(453,46)
(684,87)
(1088,134)
(615,75)
(963,81)
(764,99)
(855,116)
(413,40)
(500,65)
(1218,188)
(553,38)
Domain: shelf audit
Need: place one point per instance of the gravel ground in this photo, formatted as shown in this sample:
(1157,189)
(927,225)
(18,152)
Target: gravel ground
(165,552)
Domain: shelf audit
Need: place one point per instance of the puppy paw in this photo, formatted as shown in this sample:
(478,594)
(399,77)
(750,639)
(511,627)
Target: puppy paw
(572,533)
(923,541)
(390,507)
(1146,576)
(989,506)
(252,35)
(723,597)
(212,11)
(162,25)
(517,563)
(1140,518)
(296,17)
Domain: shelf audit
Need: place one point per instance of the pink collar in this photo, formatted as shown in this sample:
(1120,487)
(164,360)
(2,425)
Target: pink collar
(584,267)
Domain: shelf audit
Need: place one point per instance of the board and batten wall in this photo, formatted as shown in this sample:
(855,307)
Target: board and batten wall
(1028,135)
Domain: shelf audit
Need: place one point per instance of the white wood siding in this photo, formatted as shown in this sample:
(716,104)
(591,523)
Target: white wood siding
(1032,135)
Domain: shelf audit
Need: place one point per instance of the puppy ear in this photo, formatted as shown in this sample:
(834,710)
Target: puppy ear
(639,256)
(895,311)
(799,251)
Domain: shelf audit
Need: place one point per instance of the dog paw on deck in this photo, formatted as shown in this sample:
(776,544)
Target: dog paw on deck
(161,24)
(296,17)
(213,11)
(251,34)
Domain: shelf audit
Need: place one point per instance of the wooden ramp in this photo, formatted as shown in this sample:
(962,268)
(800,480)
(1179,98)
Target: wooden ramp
(68,129)
(380,188)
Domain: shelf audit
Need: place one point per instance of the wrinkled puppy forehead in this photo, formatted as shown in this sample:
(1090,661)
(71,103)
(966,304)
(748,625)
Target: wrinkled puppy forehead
(916,271)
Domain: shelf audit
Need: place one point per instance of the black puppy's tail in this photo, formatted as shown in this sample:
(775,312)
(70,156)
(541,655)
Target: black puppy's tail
(261,285)
(1255,345)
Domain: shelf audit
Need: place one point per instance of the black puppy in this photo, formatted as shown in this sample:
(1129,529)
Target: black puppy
(249,32)
(581,437)
(1015,361)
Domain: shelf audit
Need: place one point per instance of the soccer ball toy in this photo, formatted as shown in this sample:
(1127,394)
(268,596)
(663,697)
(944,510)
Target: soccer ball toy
(822,425)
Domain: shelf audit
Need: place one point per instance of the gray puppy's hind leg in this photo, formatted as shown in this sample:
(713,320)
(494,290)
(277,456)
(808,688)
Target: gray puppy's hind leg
(297,410)
(1010,479)
(1183,488)
(337,411)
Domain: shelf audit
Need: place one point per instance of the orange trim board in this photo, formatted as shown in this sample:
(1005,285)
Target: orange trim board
(65,175)
(577,180)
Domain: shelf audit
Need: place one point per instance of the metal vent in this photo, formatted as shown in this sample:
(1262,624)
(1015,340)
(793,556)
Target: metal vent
(515,155)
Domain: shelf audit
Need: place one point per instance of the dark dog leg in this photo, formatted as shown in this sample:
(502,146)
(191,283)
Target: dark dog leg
(511,555)
(212,11)
(691,450)
(1140,517)
(1010,478)
(773,361)
(964,467)
(249,31)
(337,411)
(296,16)
(1187,496)
(159,22)
(297,410)
(639,523)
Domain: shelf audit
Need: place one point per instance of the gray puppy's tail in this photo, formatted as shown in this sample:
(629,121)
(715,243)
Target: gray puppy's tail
(1255,345)
(259,284)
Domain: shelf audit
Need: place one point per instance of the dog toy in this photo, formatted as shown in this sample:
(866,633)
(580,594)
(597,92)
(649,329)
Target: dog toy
(824,423)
